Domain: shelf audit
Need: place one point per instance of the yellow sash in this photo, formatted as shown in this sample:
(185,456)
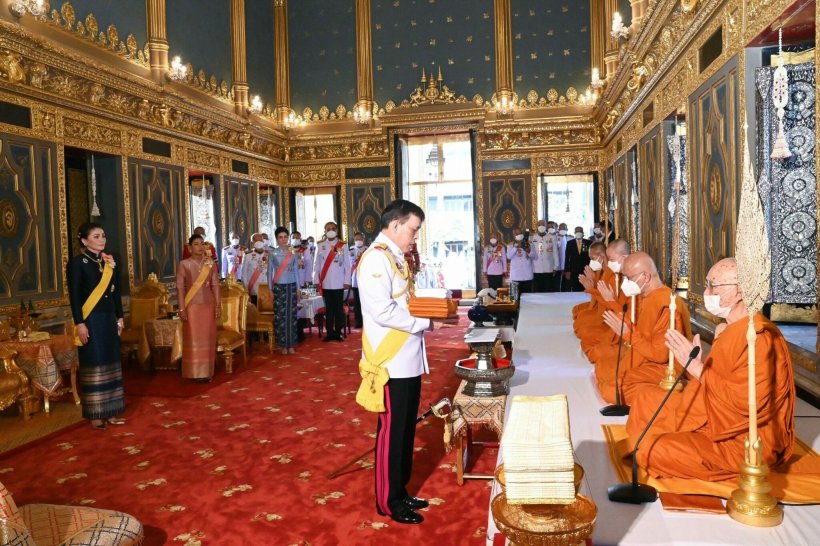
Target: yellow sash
(200,280)
(94,298)
(373,369)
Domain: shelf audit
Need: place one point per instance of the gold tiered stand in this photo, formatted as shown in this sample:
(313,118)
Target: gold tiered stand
(544,524)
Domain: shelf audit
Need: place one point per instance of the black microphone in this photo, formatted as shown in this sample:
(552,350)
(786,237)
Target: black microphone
(638,493)
(617,409)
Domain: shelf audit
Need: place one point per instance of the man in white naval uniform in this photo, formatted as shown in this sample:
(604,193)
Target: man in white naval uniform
(562,250)
(331,273)
(393,357)
(520,263)
(356,252)
(232,258)
(304,260)
(546,259)
(255,267)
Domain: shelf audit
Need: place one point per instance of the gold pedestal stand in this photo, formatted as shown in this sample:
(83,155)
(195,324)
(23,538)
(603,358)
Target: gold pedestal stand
(668,381)
(752,503)
(544,524)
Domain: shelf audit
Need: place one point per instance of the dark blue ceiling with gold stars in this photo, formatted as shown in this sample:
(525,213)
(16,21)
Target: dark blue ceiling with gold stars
(199,31)
(550,46)
(260,49)
(322,44)
(409,35)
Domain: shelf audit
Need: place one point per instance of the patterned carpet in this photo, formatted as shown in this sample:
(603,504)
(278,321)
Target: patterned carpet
(245,459)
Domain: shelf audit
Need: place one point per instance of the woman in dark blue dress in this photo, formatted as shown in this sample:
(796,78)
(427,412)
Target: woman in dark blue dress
(97,311)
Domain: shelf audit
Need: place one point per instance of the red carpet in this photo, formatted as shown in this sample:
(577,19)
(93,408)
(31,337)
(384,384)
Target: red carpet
(245,459)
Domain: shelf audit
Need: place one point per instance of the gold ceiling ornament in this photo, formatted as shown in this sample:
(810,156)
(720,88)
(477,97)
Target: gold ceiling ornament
(688,5)
(432,91)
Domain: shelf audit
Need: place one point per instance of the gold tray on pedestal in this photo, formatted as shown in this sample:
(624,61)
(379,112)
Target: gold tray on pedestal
(578,477)
(545,524)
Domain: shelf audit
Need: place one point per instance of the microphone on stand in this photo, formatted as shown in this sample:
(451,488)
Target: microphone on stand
(617,409)
(638,493)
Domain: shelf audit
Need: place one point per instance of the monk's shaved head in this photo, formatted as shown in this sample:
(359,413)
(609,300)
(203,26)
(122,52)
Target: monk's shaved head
(618,249)
(723,272)
(596,250)
(639,262)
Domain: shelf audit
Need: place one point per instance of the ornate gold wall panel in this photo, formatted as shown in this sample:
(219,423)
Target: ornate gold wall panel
(654,199)
(365,203)
(714,166)
(241,206)
(32,223)
(157,194)
(508,204)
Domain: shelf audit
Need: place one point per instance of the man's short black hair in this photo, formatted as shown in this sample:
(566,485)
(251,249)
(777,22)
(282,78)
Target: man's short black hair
(400,210)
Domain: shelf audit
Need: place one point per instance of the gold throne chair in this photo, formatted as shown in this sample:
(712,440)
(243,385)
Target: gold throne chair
(260,316)
(231,325)
(148,302)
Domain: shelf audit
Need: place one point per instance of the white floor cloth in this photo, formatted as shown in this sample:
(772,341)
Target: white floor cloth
(549,360)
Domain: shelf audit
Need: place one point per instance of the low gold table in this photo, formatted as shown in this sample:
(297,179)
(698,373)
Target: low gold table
(165,340)
(469,412)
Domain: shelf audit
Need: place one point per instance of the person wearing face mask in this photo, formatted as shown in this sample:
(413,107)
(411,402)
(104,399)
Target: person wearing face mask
(576,258)
(255,267)
(587,314)
(562,256)
(521,263)
(597,339)
(356,252)
(599,236)
(304,260)
(209,248)
(547,257)
(494,262)
(708,444)
(645,356)
(232,257)
(331,273)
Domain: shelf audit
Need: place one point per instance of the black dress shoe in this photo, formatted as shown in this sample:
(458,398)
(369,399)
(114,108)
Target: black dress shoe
(404,514)
(415,503)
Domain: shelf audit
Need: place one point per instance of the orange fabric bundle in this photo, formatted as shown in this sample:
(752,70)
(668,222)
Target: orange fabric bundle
(432,307)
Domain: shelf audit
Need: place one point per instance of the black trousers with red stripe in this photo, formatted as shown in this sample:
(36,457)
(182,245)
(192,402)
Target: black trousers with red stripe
(395,434)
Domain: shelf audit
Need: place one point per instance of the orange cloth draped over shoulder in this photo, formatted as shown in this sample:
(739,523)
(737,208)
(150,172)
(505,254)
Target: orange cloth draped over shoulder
(589,325)
(707,442)
(646,338)
(583,311)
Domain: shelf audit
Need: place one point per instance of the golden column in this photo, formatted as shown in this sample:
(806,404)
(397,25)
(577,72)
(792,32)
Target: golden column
(503,53)
(611,50)
(598,34)
(638,12)
(364,60)
(157,39)
(282,60)
(238,57)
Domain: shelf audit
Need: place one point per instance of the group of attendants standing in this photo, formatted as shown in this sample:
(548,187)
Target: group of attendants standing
(550,260)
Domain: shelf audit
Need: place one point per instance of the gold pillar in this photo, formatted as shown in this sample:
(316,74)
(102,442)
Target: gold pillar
(503,50)
(238,57)
(638,11)
(364,57)
(598,35)
(611,49)
(282,61)
(157,39)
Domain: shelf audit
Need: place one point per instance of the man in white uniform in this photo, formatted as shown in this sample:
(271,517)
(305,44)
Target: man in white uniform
(331,273)
(304,260)
(521,255)
(546,259)
(393,357)
(255,267)
(356,252)
(232,258)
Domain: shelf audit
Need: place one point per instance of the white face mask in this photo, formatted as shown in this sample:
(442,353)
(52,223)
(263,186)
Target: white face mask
(359,244)
(614,266)
(562,232)
(595,265)
(579,235)
(296,242)
(331,234)
(712,303)
(597,231)
(542,229)
(519,237)
(259,245)
(630,288)
(551,231)
(493,241)
(235,242)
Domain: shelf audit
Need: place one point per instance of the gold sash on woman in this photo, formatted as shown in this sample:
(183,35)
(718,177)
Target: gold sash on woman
(94,298)
(200,280)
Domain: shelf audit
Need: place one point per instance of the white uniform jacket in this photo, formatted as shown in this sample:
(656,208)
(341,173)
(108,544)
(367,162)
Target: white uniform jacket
(547,258)
(338,274)
(381,311)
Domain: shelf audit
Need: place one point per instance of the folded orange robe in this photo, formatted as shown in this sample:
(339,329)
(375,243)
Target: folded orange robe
(432,307)
(646,338)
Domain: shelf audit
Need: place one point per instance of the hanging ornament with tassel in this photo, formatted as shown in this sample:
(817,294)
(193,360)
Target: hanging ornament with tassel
(780,98)
(95,210)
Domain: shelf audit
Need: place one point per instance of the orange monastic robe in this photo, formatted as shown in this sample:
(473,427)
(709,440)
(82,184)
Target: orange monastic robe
(590,327)
(710,446)
(582,312)
(646,338)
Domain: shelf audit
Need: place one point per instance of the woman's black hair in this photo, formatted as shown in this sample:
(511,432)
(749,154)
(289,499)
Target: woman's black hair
(280,229)
(85,230)
(194,237)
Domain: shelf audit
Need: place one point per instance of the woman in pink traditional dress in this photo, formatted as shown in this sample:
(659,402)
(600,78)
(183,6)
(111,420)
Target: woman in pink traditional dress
(198,292)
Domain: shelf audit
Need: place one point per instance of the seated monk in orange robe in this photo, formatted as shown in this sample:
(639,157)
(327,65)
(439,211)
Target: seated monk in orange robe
(593,273)
(643,342)
(597,339)
(708,444)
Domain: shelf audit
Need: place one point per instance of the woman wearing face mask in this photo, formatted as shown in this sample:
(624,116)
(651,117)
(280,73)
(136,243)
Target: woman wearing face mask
(494,262)
(282,280)
(97,311)
(199,307)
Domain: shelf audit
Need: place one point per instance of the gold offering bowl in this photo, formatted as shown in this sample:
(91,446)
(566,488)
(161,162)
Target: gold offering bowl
(545,524)
(578,477)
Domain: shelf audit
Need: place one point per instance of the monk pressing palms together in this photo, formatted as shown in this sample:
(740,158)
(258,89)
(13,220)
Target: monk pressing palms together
(586,281)
(606,292)
(614,321)
(682,348)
